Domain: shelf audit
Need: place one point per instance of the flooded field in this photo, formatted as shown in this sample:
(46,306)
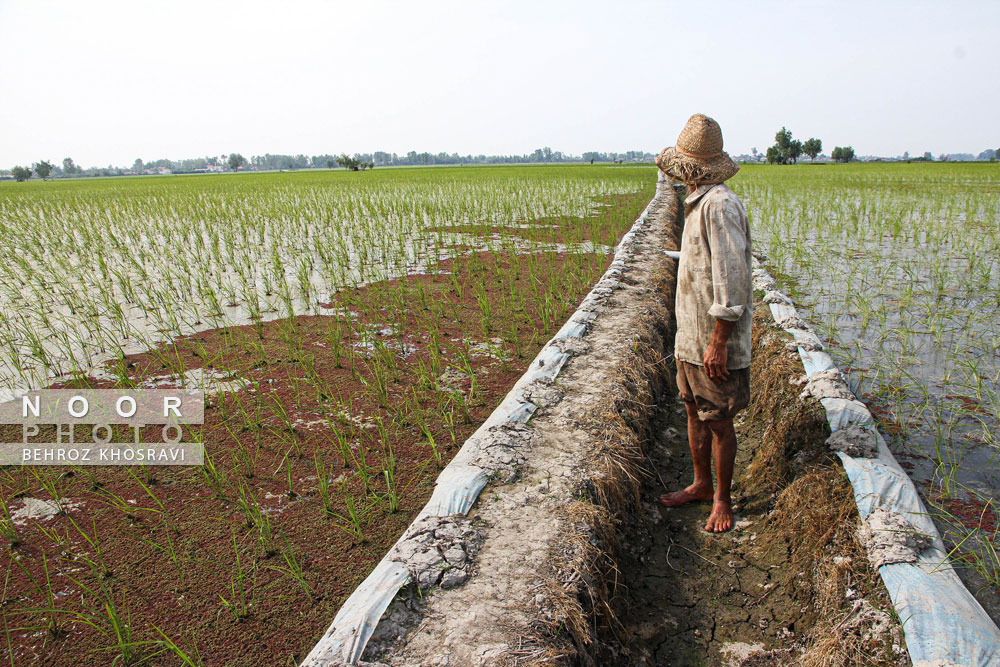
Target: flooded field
(898,268)
(97,268)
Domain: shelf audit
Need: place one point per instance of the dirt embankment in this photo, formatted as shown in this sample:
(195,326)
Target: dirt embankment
(579,564)
(545,575)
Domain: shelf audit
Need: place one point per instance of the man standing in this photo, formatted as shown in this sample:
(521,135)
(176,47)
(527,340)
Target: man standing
(713,311)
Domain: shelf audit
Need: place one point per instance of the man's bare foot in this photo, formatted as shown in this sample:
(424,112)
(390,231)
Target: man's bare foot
(689,495)
(721,518)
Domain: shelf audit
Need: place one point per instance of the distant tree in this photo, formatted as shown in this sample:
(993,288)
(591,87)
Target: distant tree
(330,163)
(794,150)
(43,169)
(542,155)
(812,147)
(783,138)
(69,168)
(236,161)
(785,148)
(20,174)
(842,154)
(348,162)
(138,165)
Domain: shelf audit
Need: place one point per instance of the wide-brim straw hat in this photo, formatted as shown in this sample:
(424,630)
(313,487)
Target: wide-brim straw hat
(698,156)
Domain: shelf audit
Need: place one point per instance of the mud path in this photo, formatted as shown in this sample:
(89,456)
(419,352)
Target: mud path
(788,585)
(695,593)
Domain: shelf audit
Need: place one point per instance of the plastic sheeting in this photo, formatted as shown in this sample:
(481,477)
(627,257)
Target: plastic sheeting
(942,621)
(460,482)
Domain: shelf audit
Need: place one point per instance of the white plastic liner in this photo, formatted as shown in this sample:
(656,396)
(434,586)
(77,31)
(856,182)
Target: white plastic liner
(460,482)
(942,622)
(456,488)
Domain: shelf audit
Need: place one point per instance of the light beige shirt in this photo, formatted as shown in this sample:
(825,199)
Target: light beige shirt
(713,276)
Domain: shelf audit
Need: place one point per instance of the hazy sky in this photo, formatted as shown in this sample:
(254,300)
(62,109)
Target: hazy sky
(107,82)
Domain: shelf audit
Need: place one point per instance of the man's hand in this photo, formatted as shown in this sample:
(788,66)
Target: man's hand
(716,357)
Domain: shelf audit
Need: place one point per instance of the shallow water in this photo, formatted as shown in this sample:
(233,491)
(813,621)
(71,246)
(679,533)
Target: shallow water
(898,269)
(99,269)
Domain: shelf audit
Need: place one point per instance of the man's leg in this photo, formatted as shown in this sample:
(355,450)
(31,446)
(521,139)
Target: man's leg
(700,439)
(724,452)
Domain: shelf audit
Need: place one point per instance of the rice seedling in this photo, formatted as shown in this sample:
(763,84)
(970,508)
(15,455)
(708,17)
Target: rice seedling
(52,612)
(351,522)
(170,550)
(293,568)
(52,481)
(238,602)
(323,483)
(171,647)
(8,529)
(215,478)
(98,566)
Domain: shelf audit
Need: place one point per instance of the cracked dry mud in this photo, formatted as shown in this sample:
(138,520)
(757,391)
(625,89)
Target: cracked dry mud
(694,593)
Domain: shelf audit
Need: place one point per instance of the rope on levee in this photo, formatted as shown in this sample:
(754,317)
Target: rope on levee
(943,624)
(460,482)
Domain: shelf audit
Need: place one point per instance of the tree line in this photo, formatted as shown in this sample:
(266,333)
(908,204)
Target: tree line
(787,150)
(276,162)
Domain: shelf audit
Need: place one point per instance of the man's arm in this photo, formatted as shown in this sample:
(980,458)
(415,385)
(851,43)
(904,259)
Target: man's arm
(730,283)
(716,355)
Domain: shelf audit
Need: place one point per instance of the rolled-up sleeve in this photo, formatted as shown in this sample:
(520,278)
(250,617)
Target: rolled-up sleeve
(727,238)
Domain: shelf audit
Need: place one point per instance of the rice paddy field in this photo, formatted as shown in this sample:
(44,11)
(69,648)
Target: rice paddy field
(351,330)
(898,268)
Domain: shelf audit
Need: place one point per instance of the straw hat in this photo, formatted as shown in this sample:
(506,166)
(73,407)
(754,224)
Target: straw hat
(698,156)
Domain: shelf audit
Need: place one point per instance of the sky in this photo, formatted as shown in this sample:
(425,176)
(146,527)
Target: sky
(109,82)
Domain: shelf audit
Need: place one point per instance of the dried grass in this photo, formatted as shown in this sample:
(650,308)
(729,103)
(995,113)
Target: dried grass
(814,517)
(780,423)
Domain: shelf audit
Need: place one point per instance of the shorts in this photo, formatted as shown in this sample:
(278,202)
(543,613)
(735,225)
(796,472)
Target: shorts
(714,401)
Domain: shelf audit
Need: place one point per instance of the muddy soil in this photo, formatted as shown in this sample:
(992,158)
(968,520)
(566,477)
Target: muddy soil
(162,543)
(789,584)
